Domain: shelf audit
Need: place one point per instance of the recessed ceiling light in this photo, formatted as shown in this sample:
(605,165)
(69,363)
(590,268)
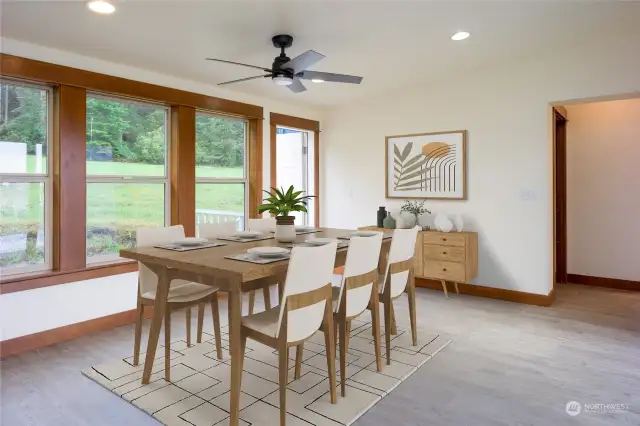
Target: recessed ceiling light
(317,80)
(460,35)
(101,6)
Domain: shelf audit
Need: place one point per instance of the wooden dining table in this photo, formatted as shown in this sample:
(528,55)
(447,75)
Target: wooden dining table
(209,266)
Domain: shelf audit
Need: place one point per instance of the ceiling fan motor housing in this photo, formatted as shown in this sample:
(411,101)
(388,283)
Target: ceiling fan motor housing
(282,42)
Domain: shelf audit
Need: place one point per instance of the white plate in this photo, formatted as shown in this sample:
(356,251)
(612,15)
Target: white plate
(192,241)
(248,234)
(364,234)
(319,241)
(268,251)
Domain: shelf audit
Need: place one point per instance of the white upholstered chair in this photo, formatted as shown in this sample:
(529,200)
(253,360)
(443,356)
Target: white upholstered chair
(352,294)
(182,294)
(397,279)
(306,304)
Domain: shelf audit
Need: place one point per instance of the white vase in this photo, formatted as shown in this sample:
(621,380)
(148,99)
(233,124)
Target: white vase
(285,229)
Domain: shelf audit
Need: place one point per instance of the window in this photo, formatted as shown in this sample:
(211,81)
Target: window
(127,176)
(221,178)
(25,190)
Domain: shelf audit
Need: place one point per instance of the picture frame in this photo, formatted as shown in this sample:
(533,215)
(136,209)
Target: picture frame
(426,166)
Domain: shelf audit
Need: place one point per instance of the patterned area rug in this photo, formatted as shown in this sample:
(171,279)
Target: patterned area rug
(199,392)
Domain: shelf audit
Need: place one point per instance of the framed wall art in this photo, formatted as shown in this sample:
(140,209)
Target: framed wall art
(427,165)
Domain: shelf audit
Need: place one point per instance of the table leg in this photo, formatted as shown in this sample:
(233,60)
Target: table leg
(156,323)
(235,314)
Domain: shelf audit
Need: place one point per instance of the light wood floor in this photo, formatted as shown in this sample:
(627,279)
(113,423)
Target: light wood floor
(509,364)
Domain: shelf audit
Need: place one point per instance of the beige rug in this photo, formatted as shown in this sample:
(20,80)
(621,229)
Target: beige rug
(199,392)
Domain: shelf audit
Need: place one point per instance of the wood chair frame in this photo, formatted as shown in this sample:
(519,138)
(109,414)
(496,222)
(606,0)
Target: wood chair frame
(212,299)
(292,303)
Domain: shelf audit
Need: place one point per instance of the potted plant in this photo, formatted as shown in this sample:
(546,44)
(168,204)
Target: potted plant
(280,203)
(415,208)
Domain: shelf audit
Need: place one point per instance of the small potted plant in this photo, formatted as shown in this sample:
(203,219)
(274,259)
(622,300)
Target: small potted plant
(415,208)
(280,203)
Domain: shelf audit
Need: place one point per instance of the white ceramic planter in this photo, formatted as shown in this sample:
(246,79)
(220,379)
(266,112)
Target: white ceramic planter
(285,229)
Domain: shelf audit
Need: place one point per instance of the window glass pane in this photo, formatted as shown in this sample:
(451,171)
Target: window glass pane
(220,146)
(116,210)
(218,202)
(125,138)
(21,224)
(23,129)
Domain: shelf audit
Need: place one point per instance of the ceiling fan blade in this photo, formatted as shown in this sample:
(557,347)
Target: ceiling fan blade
(244,79)
(329,76)
(303,61)
(238,63)
(297,86)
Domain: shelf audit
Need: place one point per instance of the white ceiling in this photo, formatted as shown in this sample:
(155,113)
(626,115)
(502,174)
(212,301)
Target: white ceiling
(391,43)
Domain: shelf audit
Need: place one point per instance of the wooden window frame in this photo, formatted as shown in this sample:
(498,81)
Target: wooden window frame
(299,124)
(68,170)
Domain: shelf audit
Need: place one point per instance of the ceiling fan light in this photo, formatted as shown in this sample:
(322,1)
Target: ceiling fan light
(282,80)
(101,6)
(317,80)
(460,35)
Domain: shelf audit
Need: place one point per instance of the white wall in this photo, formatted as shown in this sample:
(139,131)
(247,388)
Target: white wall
(46,308)
(603,189)
(506,112)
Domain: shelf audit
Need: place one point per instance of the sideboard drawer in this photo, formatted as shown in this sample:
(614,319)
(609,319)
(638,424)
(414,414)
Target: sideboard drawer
(444,239)
(447,253)
(450,271)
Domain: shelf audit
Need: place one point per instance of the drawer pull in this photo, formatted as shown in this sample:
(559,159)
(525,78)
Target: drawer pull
(444,239)
(444,269)
(444,252)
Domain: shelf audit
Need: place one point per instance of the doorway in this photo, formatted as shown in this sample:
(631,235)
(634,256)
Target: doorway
(560,167)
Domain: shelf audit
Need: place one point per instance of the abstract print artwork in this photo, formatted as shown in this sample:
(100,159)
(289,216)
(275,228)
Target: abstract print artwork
(426,165)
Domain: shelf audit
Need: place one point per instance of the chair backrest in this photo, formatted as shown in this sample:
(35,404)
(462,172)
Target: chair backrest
(310,268)
(215,230)
(362,262)
(403,247)
(149,237)
(267,224)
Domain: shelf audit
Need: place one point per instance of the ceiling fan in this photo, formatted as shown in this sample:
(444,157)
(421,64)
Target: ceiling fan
(288,72)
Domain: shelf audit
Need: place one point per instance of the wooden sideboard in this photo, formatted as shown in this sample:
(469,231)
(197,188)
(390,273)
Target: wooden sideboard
(445,256)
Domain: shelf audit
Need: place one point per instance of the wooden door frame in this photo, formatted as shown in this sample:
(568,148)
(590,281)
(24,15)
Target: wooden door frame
(560,271)
(300,124)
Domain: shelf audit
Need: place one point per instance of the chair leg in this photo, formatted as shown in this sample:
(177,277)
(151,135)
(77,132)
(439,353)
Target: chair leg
(444,288)
(394,328)
(387,328)
(342,327)
(412,312)
(283,358)
(375,319)
(267,298)
(299,352)
(252,301)
(138,336)
(330,350)
(167,344)
(188,320)
(348,336)
(215,313)
(200,321)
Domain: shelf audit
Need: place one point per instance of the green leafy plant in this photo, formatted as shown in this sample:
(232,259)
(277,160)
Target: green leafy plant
(415,208)
(281,203)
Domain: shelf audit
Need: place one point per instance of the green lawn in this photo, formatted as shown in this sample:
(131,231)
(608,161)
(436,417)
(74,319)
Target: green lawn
(114,210)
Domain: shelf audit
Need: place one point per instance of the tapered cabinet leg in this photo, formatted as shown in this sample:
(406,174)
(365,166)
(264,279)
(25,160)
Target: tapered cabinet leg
(455,284)
(444,288)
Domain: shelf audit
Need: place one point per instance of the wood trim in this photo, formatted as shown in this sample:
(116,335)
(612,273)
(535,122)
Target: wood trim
(33,341)
(69,172)
(29,69)
(255,166)
(302,124)
(562,111)
(49,278)
(493,293)
(182,166)
(604,282)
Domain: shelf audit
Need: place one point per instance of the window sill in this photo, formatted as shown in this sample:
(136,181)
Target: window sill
(40,279)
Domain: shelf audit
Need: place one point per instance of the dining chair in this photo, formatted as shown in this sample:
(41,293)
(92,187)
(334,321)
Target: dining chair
(352,293)
(397,279)
(264,225)
(182,294)
(306,305)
